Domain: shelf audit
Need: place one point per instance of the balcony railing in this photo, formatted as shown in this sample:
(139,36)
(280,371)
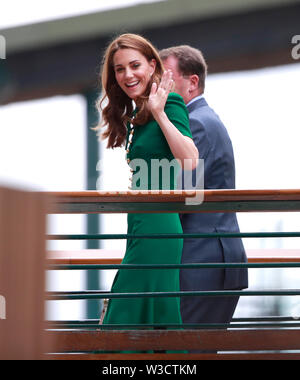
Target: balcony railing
(248,338)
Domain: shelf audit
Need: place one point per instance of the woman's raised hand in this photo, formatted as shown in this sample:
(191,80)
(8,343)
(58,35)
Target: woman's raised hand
(159,94)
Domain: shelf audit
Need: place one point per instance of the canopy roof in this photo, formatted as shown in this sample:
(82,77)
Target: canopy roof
(62,56)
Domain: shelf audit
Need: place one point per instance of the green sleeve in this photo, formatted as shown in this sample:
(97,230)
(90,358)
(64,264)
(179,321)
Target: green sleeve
(178,114)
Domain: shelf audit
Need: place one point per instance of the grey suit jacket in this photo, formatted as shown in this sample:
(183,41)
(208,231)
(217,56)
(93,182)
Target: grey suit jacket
(215,147)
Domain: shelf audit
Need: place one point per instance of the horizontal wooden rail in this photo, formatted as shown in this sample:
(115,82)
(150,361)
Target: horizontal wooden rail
(143,340)
(105,256)
(174,201)
(134,196)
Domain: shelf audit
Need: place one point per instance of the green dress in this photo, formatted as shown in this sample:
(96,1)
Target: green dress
(148,143)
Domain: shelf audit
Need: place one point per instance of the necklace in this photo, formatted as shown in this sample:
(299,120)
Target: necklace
(131,133)
(130,137)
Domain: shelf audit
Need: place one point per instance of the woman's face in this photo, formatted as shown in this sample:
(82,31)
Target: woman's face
(133,71)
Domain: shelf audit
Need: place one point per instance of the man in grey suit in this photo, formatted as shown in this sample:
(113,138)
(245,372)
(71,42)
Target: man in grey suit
(213,142)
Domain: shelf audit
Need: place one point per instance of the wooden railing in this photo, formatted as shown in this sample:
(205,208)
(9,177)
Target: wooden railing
(273,338)
(23,260)
(68,259)
(175,201)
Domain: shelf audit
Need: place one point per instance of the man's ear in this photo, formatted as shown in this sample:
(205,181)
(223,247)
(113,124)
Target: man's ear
(194,82)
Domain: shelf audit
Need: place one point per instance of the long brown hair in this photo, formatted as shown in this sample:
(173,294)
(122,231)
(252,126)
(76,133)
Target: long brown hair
(119,108)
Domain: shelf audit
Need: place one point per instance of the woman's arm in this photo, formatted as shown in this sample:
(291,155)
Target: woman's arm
(182,147)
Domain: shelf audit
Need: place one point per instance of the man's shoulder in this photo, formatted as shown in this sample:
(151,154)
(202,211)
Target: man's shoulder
(203,119)
(200,112)
(200,106)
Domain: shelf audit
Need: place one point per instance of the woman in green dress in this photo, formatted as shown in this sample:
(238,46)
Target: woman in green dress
(141,113)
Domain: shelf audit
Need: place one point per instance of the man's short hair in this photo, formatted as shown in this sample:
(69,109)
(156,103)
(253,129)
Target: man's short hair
(190,61)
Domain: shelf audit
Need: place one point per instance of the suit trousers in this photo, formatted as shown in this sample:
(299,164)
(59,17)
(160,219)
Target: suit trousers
(205,309)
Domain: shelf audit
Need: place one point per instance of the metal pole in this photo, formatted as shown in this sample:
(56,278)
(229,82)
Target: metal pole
(92,220)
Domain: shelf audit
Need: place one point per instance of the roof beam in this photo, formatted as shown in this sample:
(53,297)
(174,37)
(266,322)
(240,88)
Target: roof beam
(147,15)
(240,41)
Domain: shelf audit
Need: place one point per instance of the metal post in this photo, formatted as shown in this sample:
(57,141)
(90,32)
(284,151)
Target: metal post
(6,82)
(93,222)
